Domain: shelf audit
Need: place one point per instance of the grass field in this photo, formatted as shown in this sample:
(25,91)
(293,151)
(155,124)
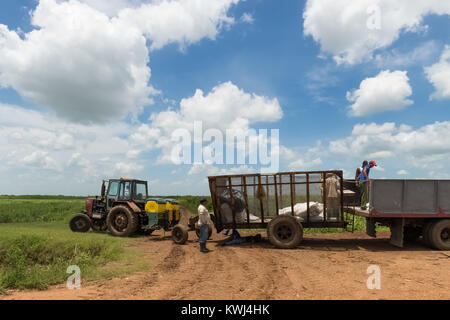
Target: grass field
(37,246)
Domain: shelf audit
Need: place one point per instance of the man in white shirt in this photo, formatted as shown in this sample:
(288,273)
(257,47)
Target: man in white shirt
(204,221)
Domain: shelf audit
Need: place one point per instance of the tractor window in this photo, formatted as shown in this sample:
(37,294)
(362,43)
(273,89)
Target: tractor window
(141,191)
(125,190)
(113,186)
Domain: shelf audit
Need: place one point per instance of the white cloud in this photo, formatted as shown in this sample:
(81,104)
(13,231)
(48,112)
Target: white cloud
(205,169)
(439,75)
(113,7)
(421,55)
(402,172)
(304,164)
(385,92)
(41,160)
(88,67)
(83,65)
(352,30)
(423,147)
(127,169)
(31,140)
(247,18)
(182,21)
(225,107)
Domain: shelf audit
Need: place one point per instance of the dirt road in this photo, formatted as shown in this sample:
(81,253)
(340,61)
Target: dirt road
(325,266)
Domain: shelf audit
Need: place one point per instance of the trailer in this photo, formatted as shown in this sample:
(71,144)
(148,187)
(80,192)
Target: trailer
(410,208)
(283,203)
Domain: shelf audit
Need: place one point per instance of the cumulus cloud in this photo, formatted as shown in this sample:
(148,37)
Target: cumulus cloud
(41,160)
(182,21)
(385,92)
(421,147)
(37,140)
(225,107)
(439,75)
(89,67)
(352,30)
(83,65)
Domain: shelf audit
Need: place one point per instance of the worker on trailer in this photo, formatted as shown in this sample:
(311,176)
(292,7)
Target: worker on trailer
(364,184)
(204,220)
(359,170)
(333,193)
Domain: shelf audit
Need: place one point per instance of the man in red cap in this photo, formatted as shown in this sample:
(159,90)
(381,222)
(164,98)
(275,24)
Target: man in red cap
(364,184)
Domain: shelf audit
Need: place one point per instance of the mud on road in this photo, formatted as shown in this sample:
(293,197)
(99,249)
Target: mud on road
(324,266)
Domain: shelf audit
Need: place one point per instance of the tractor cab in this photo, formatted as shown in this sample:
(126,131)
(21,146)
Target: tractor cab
(123,190)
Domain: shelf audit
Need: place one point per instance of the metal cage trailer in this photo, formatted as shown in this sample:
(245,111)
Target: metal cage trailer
(411,208)
(284,203)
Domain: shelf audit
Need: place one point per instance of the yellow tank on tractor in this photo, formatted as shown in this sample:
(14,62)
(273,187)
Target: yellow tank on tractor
(124,209)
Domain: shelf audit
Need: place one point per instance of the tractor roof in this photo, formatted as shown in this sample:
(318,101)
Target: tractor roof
(127,179)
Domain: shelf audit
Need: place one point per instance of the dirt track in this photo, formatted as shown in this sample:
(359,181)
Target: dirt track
(325,266)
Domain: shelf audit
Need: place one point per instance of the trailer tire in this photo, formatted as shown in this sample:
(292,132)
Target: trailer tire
(426,233)
(122,222)
(180,234)
(440,234)
(197,231)
(284,232)
(80,223)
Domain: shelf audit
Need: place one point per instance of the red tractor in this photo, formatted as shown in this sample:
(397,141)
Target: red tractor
(121,209)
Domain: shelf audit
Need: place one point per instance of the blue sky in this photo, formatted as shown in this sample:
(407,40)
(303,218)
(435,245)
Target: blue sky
(73,111)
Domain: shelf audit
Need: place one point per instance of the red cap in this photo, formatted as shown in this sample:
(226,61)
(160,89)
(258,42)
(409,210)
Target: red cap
(373,162)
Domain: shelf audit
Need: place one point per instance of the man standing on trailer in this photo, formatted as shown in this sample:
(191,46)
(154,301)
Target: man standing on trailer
(204,220)
(364,184)
(333,196)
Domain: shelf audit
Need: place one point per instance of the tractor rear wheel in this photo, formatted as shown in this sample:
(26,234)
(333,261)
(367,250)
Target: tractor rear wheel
(80,223)
(285,232)
(122,222)
(180,234)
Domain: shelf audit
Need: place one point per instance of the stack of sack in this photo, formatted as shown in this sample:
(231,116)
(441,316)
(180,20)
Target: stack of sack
(301,211)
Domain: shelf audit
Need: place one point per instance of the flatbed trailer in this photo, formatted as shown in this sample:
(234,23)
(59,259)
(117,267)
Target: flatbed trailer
(271,201)
(410,208)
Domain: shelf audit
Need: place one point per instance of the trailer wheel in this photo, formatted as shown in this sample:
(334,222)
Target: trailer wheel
(180,234)
(284,232)
(197,231)
(80,223)
(426,233)
(122,222)
(440,234)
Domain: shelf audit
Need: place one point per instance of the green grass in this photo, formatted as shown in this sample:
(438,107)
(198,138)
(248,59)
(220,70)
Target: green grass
(37,246)
(38,210)
(36,255)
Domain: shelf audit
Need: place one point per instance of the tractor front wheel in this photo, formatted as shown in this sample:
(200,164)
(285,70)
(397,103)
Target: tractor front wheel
(122,222)
(180,234)
(80,223)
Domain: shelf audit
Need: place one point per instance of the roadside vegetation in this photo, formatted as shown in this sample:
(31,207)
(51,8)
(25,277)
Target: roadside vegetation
(37,246)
